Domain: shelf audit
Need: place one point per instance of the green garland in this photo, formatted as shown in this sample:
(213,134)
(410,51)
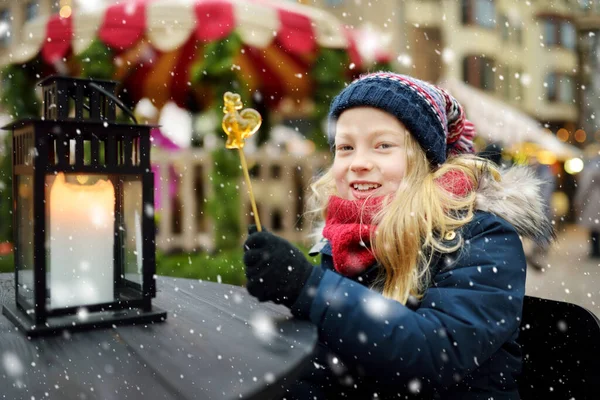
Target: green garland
(213,68)
(18,94)
(328,74)
(224,206)
(382,66)
(97,61)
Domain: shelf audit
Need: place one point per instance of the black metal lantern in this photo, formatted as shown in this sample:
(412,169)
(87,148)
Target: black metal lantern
(83,213)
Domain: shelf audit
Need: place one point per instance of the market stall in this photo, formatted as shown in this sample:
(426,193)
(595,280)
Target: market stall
(186,51)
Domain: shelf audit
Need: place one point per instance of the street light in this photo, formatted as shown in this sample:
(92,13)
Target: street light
(83,213)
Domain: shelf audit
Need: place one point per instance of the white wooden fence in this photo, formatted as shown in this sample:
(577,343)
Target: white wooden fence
(280,183)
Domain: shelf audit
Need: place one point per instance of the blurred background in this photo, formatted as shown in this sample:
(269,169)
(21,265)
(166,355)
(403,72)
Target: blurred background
(527,73)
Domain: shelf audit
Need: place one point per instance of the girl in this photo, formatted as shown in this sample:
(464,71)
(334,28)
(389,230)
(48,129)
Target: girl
(422,278)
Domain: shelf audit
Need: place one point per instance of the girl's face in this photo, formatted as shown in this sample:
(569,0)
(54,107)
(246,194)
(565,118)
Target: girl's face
(370,153)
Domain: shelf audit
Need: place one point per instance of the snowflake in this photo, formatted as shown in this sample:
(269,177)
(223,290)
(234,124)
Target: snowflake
(263,326)
(12,364)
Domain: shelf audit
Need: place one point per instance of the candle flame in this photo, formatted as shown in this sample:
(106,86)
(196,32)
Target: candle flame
(99,198)
(83,179)
(100,186)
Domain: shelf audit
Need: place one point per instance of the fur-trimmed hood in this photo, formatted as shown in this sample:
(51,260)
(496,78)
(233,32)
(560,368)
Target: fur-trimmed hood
(515,197)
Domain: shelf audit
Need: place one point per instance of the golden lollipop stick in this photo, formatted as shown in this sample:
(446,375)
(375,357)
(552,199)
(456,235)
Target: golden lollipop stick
(238,126)
(250,192)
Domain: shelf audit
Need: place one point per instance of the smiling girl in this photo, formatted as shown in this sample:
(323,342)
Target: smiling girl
(422,277)
(370,154)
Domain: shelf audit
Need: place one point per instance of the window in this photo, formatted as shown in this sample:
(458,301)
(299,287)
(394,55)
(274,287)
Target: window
(488,81)
(5,27)
(559,32)
(568,35)
(566,89)
(560,88)
(550,35)
(479,12)
(551,87)
(486,13)
(32,9)
(479,72)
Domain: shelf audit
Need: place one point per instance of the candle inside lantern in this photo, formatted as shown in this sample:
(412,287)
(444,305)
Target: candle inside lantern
(81,243)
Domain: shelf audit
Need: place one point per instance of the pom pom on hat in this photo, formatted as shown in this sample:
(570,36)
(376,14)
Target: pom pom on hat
(433,117)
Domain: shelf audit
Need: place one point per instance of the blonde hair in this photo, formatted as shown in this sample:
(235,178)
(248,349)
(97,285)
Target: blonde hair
(413,221)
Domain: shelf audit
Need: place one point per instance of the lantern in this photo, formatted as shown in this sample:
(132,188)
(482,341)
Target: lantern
(83,213)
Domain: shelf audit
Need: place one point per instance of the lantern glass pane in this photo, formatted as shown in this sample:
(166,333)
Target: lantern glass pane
(133,239)
(24,229)
(80,229)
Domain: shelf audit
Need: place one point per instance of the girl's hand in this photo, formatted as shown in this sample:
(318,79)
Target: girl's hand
(275,269)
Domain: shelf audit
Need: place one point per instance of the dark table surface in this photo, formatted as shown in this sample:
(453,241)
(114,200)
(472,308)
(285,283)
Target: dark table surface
(218,342)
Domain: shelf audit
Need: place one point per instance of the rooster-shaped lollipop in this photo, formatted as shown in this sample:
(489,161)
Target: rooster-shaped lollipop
(238,126)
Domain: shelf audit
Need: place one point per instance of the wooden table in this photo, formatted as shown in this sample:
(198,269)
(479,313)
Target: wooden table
(218,343)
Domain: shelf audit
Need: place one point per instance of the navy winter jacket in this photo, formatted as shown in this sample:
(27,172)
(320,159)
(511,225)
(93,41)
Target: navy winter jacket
(457,342)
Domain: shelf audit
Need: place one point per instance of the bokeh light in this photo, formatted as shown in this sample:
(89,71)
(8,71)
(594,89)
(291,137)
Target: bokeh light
(574,166)
(65,12)
(562,134)
(580,136)
(546,157)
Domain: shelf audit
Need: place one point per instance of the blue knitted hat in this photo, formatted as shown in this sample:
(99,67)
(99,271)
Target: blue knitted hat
(433,117)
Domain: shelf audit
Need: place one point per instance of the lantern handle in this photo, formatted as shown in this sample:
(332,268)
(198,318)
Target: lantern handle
(114,98)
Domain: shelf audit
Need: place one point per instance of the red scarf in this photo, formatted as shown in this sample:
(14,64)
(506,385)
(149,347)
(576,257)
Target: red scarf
(348,225)
(348,228)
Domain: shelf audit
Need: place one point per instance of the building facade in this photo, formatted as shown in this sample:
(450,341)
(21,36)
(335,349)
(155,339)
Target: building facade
(524,52)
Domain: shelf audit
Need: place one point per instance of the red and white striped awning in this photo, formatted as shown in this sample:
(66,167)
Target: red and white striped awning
(280,40)
(168,24)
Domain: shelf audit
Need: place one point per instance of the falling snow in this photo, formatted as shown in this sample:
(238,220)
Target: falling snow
(567,273)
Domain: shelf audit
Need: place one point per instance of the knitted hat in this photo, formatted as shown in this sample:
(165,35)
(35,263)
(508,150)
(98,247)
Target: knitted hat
(431,115)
